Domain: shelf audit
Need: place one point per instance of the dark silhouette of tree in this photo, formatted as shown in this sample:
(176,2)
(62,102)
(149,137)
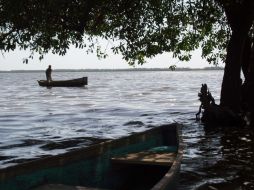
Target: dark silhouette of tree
(223,29)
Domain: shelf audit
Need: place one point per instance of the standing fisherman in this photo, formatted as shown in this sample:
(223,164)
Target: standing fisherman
(48,73)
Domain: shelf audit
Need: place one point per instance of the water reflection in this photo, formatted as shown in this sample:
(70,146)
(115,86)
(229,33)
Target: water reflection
(218,158)
(37,122)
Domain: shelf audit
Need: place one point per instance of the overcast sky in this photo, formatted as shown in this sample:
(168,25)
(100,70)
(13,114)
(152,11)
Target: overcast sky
(79,59)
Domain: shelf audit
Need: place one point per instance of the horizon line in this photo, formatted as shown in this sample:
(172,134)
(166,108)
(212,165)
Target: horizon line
(127,69)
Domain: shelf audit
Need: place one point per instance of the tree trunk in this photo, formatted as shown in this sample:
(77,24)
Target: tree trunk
(246,58)
(231,84)
(240,17)
(251,78)
(248,87)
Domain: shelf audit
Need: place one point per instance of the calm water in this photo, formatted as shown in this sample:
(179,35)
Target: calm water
(37,122)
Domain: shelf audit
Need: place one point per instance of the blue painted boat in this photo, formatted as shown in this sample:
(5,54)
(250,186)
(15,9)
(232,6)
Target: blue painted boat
(142,161)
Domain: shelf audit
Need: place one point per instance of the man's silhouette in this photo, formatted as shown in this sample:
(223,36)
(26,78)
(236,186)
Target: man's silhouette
(48,73)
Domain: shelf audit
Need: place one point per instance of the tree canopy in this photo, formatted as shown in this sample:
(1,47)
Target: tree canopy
(140,28)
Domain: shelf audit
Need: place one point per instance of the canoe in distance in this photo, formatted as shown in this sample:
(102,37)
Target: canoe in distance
(64,83)
(142,161)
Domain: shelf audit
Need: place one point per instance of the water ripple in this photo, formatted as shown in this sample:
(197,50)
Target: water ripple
(38,122)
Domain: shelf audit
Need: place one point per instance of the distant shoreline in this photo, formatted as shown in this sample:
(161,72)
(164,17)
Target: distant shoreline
(118,70)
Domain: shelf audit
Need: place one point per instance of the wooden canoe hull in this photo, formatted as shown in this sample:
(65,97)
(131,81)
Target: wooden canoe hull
(64,83)
(92,166)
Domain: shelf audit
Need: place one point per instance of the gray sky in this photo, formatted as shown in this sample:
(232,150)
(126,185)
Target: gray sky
(79,59)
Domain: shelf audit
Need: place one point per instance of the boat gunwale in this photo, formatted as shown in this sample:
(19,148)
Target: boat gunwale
(75,155)
(168,180)
(172,173)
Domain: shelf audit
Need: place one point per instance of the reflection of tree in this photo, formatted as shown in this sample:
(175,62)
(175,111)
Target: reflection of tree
(236,166)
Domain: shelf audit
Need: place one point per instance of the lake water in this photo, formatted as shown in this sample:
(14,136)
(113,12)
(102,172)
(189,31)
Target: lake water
(36,122)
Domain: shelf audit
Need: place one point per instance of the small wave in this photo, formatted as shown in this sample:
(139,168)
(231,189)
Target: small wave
(6,157)
(137,123)
(70,143)
(26,142)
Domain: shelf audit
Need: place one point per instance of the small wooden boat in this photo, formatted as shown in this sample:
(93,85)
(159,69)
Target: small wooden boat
(64,83)
(142,161)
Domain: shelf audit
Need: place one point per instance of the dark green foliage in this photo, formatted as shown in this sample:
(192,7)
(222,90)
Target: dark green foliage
(140,28)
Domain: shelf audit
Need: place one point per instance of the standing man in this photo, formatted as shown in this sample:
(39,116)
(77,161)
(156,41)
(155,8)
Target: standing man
(48,73)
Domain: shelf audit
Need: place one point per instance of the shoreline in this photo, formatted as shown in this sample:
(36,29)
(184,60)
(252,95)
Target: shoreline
(117,70)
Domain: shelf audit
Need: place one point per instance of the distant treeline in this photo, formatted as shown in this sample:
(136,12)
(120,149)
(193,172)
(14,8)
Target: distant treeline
(117,70)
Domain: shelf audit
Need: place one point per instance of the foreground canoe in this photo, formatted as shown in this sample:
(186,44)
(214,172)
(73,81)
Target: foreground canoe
(64,83)
(142,161)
